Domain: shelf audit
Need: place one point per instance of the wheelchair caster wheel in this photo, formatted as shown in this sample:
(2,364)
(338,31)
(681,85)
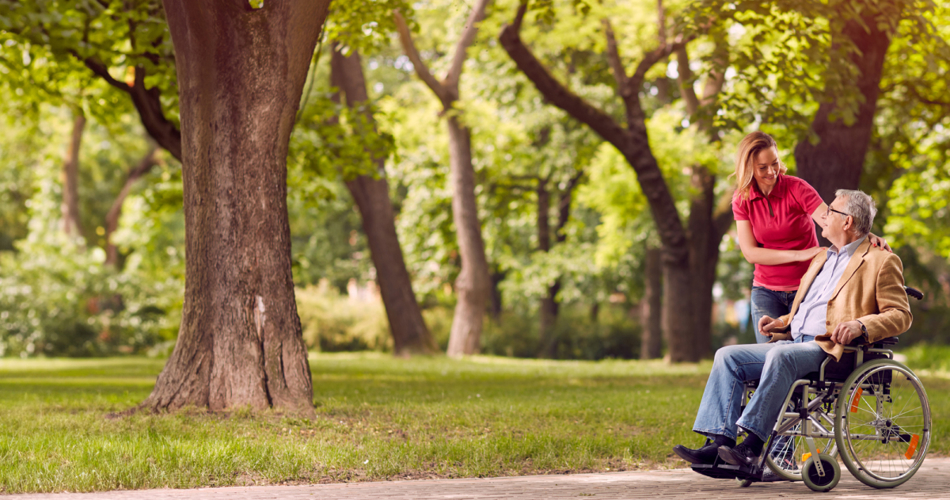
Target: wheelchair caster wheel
(744,483)
(819,483)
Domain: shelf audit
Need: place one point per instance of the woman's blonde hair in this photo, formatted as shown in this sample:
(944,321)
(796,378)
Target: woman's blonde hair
(749,147)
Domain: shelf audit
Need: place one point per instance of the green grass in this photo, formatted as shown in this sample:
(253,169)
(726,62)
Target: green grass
(376,418)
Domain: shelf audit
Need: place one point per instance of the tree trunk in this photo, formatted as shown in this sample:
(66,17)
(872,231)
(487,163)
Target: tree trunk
(496,303)
(548,307)
(240,342)
(473,283)
(837,160)
(70,178)
(409,331)
(703,255)
(651,341)
(112,217)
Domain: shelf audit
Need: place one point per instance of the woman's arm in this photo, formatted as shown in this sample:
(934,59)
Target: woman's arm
(756,255)
(876,241)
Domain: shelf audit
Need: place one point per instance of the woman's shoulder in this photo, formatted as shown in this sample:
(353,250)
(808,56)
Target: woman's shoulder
(796,183)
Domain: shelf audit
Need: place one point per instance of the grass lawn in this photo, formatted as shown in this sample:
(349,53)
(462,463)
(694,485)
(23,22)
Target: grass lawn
(377,418)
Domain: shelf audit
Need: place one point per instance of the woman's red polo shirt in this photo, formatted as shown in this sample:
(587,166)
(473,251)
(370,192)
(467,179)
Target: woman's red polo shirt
(781,221)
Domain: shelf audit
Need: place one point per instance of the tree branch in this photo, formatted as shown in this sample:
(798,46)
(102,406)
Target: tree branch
(409,47)
(685,79)
(552,90)
(468,37)
(101,71)
(650,59)
(147,102)
(613,57)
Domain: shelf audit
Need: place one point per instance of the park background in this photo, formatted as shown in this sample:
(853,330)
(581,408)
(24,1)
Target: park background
(582,253)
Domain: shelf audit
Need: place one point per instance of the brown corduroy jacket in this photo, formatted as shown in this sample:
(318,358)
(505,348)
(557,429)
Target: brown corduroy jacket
(871,290)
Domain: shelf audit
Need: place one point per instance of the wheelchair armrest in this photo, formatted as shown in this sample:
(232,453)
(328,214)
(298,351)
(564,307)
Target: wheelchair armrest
(887,341)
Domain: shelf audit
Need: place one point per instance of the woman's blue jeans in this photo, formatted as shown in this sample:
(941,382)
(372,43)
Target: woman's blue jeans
(769,303)
(777,366)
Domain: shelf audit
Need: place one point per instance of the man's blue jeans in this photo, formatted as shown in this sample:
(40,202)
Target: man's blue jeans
(771,303)
(776,365)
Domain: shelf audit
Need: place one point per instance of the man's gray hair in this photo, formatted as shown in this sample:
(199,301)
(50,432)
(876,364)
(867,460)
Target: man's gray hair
(861,207)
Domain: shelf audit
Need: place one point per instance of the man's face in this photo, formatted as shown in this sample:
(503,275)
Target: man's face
(834,220)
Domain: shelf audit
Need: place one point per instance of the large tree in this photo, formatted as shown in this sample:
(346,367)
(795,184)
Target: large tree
(239,87)
(685,248)
(473,284)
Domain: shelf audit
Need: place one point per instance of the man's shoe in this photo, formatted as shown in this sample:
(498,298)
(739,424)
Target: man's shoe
(740,455)
(705,455)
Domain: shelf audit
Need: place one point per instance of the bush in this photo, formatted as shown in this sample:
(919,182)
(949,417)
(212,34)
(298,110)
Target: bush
(63,301)
(332,322)
(578,336)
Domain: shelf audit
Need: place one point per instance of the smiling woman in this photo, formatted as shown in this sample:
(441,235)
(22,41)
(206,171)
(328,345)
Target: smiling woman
(774,215)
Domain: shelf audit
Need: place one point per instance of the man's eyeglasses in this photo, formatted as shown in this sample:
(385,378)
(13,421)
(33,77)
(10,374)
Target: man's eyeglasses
(828,212)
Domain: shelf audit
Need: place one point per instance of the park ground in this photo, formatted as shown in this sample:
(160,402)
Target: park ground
(378,418)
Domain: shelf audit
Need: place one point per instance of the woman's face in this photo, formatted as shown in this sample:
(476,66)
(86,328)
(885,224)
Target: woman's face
(765,169)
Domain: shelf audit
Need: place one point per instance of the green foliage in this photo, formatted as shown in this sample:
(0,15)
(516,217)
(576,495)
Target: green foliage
(577,335)
(366,26)
(61,36)
(333,323)
(59,301)
(930,357)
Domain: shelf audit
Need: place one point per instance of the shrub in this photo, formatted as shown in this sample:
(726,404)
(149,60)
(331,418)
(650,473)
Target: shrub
(63,301)
(332,322)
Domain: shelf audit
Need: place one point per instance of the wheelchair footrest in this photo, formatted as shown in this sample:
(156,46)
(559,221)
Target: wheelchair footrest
(722,470)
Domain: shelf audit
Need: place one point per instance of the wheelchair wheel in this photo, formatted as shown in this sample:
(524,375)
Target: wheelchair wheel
(817,482)
(882,423)
(788,453)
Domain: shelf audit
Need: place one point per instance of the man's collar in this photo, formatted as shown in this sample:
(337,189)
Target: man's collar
(850,247)
(777,192)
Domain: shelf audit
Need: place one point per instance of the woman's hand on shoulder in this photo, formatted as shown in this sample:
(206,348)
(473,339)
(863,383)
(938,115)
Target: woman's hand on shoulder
(809,253)
(877,241)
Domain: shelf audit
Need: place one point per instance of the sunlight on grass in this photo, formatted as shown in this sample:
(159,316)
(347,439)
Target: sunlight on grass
(377,417)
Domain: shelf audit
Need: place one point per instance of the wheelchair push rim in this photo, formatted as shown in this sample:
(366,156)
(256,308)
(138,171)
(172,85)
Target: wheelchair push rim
(883,423)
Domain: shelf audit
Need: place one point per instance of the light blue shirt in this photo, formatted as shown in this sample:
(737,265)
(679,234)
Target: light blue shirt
(813,311)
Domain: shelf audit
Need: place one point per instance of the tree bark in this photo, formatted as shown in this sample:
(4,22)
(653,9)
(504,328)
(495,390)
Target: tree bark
(651,341)
(240,342)
(409,331)
(473,284)
(837,160)
(70,177)
(548,307)
(631,141)
(115,211)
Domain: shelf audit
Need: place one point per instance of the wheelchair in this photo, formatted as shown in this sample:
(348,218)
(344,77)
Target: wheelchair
(867,409)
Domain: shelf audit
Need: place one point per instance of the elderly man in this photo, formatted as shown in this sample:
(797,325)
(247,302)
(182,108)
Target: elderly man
(852,290)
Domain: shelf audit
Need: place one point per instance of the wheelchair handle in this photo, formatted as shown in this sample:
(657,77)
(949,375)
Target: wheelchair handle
(913,292)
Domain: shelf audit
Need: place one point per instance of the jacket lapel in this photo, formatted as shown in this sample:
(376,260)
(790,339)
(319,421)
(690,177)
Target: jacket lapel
(856,260)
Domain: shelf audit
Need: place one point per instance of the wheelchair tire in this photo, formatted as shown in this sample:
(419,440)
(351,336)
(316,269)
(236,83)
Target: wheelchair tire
(818,483)
(883,423)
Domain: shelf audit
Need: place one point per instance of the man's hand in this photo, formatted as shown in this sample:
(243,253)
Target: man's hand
(767,324)
(846,332)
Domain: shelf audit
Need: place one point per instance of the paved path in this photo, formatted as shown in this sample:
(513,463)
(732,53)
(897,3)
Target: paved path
(932,481)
